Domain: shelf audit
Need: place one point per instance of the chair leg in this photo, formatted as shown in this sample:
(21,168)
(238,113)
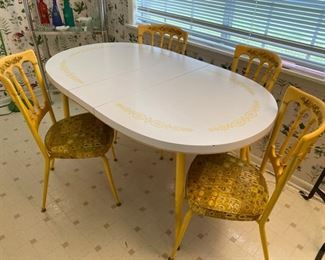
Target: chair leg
(248,154)
(66,108)
(113,152)
(180,235)
(244,154)
(110,180)
(115,137)
(46,183)
(263,240)
(52,164)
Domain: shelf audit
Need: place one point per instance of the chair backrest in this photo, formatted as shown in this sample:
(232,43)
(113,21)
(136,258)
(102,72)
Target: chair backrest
(305,127)
(263,66)
(163,35)
(16,72)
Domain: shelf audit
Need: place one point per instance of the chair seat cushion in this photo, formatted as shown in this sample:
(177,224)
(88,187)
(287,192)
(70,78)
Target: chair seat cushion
(80,136)
(223,186)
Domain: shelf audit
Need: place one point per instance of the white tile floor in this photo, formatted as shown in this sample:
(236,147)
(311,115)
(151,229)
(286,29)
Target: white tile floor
(82,222)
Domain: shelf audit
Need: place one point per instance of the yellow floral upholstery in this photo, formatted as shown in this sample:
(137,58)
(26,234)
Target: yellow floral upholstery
(223,186)
(81,136)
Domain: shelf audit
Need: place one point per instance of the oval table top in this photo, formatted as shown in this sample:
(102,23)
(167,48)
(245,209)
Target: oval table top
(164,99)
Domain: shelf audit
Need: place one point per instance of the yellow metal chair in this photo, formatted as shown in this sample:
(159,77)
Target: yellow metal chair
(263,66)
(76,137)
(226,187)
(163,35)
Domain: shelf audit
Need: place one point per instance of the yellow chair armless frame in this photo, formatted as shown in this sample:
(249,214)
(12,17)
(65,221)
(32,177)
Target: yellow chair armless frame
(268,65)
(263,66)
(168,35)
(13,75)
(223,186)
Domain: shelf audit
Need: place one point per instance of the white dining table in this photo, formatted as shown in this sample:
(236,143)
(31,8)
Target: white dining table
(165,99)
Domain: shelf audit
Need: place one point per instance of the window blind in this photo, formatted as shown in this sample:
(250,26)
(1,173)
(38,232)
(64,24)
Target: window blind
(293,28)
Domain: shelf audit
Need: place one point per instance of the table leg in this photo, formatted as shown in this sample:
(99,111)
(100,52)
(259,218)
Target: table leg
(179,190)
(66,109)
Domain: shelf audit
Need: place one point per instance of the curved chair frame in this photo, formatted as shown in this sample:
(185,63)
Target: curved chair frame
(22,93)
(284,160)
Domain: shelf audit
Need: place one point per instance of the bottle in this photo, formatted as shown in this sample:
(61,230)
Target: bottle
(43,12)
(68,14)
(56,17)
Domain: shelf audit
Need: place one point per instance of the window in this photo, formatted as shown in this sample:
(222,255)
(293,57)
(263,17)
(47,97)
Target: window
(293,28)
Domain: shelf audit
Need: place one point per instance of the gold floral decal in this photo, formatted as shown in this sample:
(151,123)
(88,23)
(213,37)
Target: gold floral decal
(249,89)
(149,120)
(241,121)
(10,62)
(90,48)
(66,70)
(68,73)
